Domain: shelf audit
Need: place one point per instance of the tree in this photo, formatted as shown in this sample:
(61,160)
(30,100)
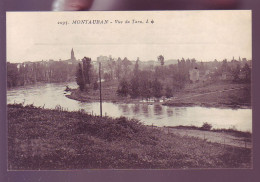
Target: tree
(118,68)
(246,69)
(111,65)
(87,69)
(179,79)
(80,78)
(168,93)
(161,59)
(107,77)
(236,72)
(123,88)
(225,67)
(136,68)
(145,85)
(157,88)
(95,85)
(134,83)
(134,87)
(12,75)
(126,64)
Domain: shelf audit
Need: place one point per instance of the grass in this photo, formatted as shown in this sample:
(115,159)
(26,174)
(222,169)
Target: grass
(239,97)
(54,139)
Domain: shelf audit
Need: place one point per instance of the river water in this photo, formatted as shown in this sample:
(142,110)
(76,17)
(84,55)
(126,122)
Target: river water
(53,94)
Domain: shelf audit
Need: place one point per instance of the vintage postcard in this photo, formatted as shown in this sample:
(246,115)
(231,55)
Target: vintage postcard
(129,90)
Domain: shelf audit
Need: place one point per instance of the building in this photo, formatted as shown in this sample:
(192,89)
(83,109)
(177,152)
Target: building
(194,74)
(72,59)
(72,56)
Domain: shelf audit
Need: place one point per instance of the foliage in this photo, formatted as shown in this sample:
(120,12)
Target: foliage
(107,77)
(87,70)
(161,59)
(80,78)
(123,88)
(236,73)
(44,139)
(206,126)
(134,82)
(168,93)
(42,71)
(247,71)
(12,75)
(157,88)
(95,85)
(134,88)
(145,84)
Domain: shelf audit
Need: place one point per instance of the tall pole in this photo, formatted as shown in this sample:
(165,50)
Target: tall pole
(100,95)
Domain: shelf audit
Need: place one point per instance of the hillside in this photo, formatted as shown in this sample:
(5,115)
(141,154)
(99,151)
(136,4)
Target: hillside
(55,139)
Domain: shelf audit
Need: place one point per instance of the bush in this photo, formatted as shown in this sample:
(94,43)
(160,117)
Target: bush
(206,126)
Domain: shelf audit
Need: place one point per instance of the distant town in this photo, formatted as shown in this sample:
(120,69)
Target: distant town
(191,70)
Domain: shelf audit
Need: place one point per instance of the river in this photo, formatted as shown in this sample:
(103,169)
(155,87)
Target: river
(52,94)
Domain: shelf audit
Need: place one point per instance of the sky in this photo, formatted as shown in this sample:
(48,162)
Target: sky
(203,35)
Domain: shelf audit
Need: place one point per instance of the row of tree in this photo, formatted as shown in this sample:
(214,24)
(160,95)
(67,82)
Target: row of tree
(143,84)
(30,73)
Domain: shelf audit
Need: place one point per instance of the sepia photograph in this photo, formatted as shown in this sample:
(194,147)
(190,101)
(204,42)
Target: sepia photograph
(129,90)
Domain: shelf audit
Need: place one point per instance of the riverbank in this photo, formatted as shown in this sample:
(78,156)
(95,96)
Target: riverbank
(108,94)
(218,95)
(55,139)
(221,95)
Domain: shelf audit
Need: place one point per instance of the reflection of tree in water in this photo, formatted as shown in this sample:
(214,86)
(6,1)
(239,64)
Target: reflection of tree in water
(124,108)
(146,110)
(179,111)
(169,111)
(135,108)
(158,110)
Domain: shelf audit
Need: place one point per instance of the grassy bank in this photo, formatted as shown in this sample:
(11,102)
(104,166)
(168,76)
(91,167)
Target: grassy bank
(52,139)
(220,94)
(108,93)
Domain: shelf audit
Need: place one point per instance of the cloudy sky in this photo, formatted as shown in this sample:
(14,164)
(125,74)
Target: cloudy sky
(204,35)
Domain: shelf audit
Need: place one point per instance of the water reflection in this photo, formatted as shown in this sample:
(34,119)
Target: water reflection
(145,110)
(135,108)
(179,111)
(169,111)
(158,110)
(124,108)
(51,95)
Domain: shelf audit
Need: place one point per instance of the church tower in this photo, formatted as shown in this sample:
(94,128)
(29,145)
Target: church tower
(72,56)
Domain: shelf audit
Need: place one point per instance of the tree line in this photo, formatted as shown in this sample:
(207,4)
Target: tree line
(157,81)
(33,72)
(152,83)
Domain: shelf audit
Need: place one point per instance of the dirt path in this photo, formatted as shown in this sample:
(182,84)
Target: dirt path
(216,137)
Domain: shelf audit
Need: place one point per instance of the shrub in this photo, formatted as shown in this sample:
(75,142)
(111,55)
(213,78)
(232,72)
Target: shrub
(206,126)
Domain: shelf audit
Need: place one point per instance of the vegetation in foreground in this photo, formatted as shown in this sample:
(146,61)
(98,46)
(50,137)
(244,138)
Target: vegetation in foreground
(55,139)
